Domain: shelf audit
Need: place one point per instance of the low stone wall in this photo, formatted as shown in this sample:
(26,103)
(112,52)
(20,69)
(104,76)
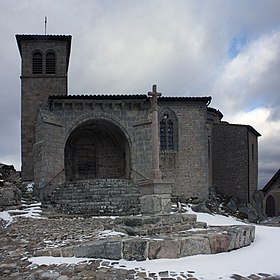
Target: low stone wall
(186,243)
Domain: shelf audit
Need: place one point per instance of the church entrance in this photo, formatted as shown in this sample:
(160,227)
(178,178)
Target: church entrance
(270,206)
(97,150)
(85,159)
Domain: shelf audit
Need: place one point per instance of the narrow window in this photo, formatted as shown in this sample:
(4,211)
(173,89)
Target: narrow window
(50,63)
(167,131)
(253,151)
(37,63)
(162,135)
(170,143)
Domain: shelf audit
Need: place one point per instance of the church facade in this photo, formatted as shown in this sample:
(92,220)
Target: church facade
(72,138)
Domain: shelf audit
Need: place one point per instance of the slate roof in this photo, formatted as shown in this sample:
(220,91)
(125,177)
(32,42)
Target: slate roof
(271,181)
(217,112)
(128,96)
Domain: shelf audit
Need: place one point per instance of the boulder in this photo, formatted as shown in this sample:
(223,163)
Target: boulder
(10,195)
(135,249)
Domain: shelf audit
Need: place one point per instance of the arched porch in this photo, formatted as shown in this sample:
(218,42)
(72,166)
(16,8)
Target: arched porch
(97,149)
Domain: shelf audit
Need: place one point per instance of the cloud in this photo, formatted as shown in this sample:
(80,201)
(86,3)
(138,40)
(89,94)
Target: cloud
(227,49)
(247,92)
(252,77)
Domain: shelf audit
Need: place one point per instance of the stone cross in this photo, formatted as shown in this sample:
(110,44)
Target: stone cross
(155,173)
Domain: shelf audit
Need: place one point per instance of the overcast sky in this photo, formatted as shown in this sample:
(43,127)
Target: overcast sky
(229,50)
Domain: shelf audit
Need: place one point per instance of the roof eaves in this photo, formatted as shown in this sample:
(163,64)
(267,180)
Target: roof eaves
(271,181)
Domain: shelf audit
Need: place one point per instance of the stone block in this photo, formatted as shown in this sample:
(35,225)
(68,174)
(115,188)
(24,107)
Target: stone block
(234,236)
(67,252)
(156,187)
(219,242)
(194,245)
(164,249)
(170,219)
(247,235)
(56,252)
(188,218)
(135,249)
(99,249)
(155,204)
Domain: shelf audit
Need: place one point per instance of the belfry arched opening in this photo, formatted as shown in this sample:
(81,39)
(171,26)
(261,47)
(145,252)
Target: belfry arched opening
(97,149)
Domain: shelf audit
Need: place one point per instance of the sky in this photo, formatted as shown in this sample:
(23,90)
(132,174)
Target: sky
(227,49)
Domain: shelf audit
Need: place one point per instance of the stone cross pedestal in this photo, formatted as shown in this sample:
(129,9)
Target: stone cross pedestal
(155,193)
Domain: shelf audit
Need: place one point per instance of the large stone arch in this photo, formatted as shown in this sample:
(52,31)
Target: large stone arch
(97,149)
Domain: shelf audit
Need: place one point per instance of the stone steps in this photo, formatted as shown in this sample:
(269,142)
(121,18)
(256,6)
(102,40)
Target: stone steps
(95,197)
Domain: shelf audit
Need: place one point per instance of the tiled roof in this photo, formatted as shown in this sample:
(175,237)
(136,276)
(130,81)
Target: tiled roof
(271,181)
(217,112)
(99,97)
(129,96)
(206,99)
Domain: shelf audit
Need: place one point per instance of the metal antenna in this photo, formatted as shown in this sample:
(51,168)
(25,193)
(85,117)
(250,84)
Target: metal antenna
(45,25)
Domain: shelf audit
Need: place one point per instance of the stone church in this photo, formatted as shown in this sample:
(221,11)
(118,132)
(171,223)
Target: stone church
(85,141)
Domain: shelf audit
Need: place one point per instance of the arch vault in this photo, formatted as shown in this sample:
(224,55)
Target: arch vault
(97,149)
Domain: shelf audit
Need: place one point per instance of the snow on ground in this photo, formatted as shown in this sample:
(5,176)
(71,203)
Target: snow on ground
(27,211)
(6,217)
(259,257)
(56,260)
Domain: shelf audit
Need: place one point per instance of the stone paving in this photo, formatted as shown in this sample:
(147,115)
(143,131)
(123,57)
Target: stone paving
(22,238)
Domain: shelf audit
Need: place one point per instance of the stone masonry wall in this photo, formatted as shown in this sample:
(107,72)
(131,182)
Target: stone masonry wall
(253,164)
(59,124)
(35,91)
(189,165)
(230,161)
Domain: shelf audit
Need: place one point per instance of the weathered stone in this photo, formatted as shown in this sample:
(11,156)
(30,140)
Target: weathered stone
(163,274)
(194,245)
(171,219)
(50,274)
(56,252)
(135,249)
(219,242)
(155,204)
(63,277)
(231,205)
(166,248)
(99,249)
(201,207)
(67,252)
(188,217)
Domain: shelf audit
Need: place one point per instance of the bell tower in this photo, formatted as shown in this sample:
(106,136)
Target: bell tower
(44,72)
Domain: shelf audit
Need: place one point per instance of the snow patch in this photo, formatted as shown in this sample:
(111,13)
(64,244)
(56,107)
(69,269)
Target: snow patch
(56,260)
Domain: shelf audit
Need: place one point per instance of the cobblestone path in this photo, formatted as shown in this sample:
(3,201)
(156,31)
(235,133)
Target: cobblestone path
(24,236)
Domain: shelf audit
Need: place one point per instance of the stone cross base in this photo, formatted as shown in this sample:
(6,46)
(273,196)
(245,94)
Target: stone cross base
(155,204)
(155,197)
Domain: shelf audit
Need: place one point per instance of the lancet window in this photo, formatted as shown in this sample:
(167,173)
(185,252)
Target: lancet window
(37,63)
(168,131)
(50,63)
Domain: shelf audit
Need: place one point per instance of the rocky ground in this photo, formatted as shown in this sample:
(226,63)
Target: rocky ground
(23,237)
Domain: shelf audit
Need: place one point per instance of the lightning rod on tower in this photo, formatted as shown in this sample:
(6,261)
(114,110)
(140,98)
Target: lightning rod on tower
(45,25)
